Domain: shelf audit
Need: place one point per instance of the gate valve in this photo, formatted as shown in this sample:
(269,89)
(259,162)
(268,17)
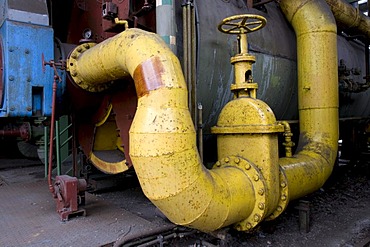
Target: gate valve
(241,25)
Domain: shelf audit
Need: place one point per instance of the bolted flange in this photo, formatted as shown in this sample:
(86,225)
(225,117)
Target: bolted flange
(284,196)
(259,188)
(72,68)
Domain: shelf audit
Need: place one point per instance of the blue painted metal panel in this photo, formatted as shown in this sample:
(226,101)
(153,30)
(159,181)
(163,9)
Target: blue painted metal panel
(27,89)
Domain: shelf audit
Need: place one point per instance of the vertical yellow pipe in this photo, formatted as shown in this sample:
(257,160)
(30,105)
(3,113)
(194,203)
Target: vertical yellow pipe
(315,29)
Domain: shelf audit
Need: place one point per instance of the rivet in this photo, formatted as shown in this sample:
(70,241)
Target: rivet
(29,108)
(283,197)
(256,177)
(79,49)
(29,79)
(249,225)
(283,184)
(247,166)
(261,206)
(27,51)
(74,55)
(73,73)
(237,160)
(12,108)
(218,164)
(279,209)
(261,192)
(11,78)
(227,160)
(256,217)
(87,46)
(11,49)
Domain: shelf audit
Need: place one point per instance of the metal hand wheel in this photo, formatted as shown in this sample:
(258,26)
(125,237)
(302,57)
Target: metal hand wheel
(239,24)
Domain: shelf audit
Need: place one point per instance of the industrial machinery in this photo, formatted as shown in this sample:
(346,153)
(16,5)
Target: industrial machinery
(221,124)
(27,41)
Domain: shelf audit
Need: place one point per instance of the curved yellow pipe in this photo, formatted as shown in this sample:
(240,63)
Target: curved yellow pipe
(315,29)
(162,136)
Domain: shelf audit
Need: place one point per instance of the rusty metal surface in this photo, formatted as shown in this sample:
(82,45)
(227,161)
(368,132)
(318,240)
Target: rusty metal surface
(28,217)
(88,15)
(124,106)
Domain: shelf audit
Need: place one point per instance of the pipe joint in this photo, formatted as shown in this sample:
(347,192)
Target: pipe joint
(284,196)
(259,185)
(74,70)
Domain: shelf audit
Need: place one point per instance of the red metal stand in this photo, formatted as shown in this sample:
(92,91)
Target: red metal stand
(70,193)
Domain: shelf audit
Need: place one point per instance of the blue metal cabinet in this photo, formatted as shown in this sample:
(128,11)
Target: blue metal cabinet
(27,86)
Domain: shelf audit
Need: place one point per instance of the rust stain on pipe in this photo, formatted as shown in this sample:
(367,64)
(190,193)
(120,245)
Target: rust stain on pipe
(147,76)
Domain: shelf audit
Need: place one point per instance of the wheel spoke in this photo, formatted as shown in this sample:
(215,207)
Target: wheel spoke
(254,23)
(242,23)
(232,24)
(232,29)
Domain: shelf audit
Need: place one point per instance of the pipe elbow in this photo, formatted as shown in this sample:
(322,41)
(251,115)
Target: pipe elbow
(307,16)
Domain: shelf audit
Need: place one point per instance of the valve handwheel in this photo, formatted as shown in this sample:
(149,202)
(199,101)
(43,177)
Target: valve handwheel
(240,24)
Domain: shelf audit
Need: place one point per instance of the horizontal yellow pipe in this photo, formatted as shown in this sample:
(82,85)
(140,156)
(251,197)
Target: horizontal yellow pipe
(162,137)
(315,29)
(349,17)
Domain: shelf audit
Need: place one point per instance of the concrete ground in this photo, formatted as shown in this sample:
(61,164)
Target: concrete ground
(339,215)
(28,215)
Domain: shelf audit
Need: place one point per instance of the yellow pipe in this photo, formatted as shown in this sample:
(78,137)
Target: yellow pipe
(349,17)
(162,136)
(315,29)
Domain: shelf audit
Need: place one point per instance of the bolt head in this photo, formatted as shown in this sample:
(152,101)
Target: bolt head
(256,218)
(239,228)
(249,226)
